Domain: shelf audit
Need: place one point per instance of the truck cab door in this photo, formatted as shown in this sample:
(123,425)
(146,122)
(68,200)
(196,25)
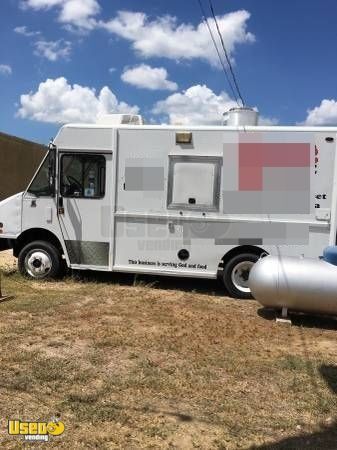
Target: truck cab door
(39,201)
(84,207)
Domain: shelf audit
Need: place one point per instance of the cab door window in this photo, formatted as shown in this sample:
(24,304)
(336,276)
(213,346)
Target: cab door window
(83,176)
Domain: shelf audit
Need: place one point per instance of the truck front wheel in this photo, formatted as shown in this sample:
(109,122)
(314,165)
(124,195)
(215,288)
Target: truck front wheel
(40,260)
(236,274)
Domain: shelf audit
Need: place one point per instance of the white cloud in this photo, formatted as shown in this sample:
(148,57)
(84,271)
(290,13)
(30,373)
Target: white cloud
(57,101)
(77,13)
(25,32)
(164,37)
(198,105)
(112,69)
(323,115)
(5,69)
(53,50)
(268,121)
(147,77)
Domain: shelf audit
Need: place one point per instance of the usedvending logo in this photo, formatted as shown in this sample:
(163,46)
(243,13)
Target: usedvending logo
(35,431)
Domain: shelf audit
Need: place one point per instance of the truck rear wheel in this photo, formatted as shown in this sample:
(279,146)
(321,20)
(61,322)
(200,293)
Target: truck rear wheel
(236,274)
(40,260)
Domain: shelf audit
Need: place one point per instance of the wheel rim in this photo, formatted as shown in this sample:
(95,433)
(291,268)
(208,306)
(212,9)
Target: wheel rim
(240,275)
(38,263)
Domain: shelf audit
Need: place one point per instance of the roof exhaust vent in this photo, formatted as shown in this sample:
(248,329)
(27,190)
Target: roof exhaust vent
(237,117)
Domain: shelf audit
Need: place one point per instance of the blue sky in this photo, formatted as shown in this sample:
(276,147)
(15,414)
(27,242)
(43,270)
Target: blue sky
(165,68)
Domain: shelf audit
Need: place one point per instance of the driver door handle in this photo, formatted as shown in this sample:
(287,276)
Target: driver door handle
(60,206)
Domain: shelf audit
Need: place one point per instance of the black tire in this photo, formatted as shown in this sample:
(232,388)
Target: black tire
(49,257)
(232,270)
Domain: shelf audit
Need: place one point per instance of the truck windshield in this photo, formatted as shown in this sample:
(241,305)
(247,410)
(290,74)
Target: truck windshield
(43,183)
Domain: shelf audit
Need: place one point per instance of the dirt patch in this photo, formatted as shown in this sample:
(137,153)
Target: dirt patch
(7,260)
(163,367)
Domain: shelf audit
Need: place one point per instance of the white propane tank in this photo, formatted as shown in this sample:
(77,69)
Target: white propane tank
(244,116)
(299,284)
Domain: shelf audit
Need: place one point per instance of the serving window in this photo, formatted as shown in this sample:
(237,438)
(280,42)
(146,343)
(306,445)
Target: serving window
(194,183)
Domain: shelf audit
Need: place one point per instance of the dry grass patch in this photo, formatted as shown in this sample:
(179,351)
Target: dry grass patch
(133,366)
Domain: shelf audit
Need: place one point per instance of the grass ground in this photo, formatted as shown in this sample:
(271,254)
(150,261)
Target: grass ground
(168,363)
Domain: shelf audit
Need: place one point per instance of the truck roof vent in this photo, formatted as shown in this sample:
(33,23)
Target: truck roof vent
(236,117)
(120,119)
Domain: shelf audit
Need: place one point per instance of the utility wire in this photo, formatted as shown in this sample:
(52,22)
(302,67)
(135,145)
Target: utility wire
(204,17)
(226,53)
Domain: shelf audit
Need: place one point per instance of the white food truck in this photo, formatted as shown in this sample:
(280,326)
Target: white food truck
(196,201)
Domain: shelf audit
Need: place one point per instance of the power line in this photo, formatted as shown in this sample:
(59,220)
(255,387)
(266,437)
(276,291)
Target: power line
(226,53)
(217,50)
